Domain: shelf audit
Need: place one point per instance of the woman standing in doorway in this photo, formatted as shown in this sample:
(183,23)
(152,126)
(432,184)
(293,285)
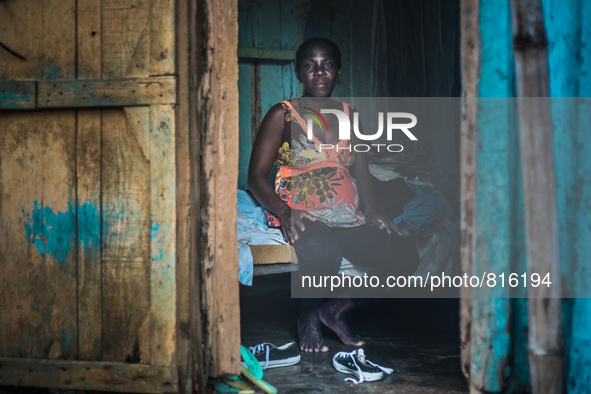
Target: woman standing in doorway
(323,198)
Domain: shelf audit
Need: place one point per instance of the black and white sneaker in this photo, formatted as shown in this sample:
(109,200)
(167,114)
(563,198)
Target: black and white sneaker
(271,356)
(354,363)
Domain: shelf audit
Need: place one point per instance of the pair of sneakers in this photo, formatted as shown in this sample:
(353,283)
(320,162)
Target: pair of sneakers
(354,363)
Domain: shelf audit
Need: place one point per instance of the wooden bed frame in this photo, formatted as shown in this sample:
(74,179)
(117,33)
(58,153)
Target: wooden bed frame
(273,259)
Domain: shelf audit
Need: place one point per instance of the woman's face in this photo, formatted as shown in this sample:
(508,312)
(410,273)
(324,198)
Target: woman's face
(318,72)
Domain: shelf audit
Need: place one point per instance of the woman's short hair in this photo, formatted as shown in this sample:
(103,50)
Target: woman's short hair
(306,45)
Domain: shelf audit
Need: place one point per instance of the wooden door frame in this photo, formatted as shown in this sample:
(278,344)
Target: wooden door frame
(470,49)
(207,42)
(208,61)
(220,355)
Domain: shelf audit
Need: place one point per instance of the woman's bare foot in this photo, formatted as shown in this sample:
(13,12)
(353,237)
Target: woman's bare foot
(332,315)
(309,332)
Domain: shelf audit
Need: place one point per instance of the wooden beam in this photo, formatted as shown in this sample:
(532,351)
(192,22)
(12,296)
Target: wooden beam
(125,242)
(18,95)
(113,93)
(185,338)
(162,33)
(88,191)
(217,109)
(22,27)
(59,40)
(193,80)
(138,119)
(162,235)
(125,27)
(84,375)
(88,188)
(470,54)
(88,33)
(38,311)
(545,340)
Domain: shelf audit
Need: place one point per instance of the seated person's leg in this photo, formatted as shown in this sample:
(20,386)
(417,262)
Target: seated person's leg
(318,255)
(388,254)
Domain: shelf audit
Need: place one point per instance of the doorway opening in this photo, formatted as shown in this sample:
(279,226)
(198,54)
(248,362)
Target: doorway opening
(389,49)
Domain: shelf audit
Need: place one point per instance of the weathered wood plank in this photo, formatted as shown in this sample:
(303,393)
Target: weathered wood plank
(185,337)
(545,338)
(125,184)
(162,30)
(89,39)
(21,22)
(88,93)
(97,93)
(88,149)
(138,65)
(470,54)
(59,39)
(38,235)
(89,188)
(123,22)
(494,191)
(217,107)
(163,235)
(18,95)
(197,365)
(81,375)
(139,121)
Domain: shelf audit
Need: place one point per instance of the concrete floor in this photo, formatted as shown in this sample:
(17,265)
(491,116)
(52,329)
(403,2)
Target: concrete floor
(418,338)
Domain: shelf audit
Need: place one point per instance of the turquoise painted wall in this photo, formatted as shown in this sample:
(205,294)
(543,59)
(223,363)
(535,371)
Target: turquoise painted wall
(499,357)
(270,25)
(569,31)
(497,203)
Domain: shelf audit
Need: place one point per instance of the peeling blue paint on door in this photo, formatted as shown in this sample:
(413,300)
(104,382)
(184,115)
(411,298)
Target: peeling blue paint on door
(568,26)
(51,232)
(89,234)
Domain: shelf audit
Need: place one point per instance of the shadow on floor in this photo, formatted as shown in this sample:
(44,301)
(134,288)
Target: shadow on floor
(418,338)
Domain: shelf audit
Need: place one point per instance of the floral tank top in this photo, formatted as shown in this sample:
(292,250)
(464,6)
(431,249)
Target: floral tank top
(316,180)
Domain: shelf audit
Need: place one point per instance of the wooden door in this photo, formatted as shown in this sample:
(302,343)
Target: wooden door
(87,194)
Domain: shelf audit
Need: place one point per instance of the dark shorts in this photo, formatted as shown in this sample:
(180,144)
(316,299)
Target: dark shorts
(320,250)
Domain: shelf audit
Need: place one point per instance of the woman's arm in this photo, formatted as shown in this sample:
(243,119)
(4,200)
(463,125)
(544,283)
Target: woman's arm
(264,153)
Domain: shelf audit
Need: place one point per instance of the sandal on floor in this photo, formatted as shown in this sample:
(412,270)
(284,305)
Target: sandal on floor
(251,370)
